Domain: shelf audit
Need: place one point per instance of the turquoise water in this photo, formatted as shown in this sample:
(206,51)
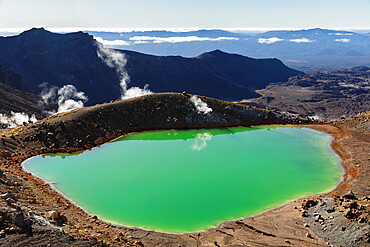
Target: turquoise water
(191,180)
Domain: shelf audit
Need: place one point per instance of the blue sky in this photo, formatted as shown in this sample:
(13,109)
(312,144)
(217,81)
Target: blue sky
(260,14)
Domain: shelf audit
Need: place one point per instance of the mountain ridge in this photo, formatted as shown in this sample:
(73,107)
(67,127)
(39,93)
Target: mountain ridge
(59,59)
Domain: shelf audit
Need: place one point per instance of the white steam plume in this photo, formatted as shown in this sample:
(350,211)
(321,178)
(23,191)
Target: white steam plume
(136,92)
(68,97)
(201,106)
(16,119)
(118,61)
(316,118)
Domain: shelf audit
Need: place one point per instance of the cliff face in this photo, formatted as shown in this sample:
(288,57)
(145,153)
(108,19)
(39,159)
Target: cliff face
(59,59)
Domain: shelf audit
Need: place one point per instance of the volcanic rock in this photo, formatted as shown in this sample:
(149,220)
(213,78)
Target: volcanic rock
(349,214)
(349,195)
(352,204)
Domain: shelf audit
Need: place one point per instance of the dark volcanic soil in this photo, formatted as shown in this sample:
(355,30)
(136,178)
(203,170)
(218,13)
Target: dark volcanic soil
(27,202)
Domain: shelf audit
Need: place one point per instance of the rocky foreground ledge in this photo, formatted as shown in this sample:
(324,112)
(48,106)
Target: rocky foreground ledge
(33,214)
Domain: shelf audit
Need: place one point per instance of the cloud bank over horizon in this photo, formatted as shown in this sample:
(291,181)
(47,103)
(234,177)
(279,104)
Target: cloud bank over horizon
(6,31)
(158,40)
(178,39)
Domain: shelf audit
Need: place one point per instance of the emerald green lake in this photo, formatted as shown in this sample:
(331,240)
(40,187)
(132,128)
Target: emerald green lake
(191,180)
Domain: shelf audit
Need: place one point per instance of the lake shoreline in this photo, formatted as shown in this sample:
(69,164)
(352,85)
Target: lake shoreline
(88,127)
(51,184)
(336,145)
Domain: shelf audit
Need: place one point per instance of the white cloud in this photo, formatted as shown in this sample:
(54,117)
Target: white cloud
(141,42)
(149,39)
(178,39)
(340,34)
(301,40)
(116,42)
(343,40)
(269,40)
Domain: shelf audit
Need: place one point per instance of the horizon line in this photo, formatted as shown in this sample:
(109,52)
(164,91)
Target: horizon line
(186,29)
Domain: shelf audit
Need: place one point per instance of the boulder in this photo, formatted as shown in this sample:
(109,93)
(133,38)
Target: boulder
(304,213)
(8,195)
(53,215)
(63,219)
(309,203)
(349,195)
(362,220)
(21,221)
(330,210)
(349,214)
(351,204)
(9,202)
(319,218)
(57,218)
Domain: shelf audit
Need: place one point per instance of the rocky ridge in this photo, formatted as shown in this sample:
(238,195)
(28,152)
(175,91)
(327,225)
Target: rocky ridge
(87,127)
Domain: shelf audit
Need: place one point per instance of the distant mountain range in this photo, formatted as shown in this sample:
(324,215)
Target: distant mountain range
(302,49)
(40,56)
